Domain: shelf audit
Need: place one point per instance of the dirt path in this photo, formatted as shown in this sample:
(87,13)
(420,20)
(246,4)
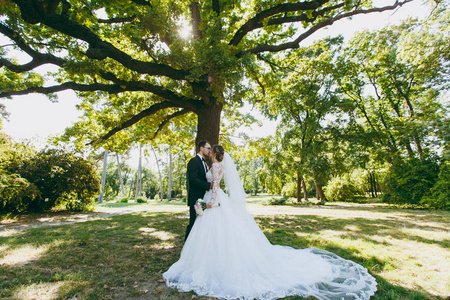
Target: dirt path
(349,211)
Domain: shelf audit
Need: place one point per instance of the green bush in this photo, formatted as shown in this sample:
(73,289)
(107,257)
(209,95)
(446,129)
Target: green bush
(278,201)
(141,200)
(62,179)
(342,188)
(16,193)
(407,181)
(124,200)
(440,193)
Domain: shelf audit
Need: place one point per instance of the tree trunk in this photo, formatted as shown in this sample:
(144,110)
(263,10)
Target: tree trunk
(371,184)
(299,188)
(208,127)
(305,192)
(320,193)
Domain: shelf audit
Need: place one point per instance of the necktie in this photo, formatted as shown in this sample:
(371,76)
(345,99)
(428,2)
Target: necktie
(204,165)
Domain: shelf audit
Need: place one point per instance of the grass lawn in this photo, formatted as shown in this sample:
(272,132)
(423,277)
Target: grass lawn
(123,256)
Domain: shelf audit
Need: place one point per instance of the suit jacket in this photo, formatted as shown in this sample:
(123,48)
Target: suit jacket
(196,181)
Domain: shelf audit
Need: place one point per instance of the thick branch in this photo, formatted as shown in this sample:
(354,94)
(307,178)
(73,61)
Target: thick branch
(195,15)
(295,44)
(142,2)
(145,113)
(98,49)
(116,20)
(216,6)
(281,8)
(112,89)
(283,20)
(169,95)
(38,58)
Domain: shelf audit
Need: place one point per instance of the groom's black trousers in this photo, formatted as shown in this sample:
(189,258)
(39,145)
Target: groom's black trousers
(192,216)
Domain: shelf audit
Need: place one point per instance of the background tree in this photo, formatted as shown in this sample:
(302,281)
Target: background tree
(309,113)
(136,73)
(399,94)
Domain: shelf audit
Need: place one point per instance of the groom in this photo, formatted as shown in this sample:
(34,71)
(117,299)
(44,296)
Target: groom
(197,184)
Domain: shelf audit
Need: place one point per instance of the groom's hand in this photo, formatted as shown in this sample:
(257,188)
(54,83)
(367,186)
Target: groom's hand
(211,185)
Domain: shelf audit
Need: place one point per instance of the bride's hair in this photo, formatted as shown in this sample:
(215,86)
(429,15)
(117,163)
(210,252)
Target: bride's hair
(218,151)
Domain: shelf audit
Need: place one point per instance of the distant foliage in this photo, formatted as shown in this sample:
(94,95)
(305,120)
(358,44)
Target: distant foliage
(289,189)
(342,188)
(407,181)
(440,193)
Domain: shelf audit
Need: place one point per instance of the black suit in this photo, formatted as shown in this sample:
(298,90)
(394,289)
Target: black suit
(197,185)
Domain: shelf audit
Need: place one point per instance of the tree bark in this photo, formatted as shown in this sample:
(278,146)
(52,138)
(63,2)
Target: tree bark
(208,127)
(299,188)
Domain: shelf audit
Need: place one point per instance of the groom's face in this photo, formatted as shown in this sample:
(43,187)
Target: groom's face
(205,150)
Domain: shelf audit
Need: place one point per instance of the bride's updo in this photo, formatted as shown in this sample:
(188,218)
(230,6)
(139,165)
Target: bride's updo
(218,152)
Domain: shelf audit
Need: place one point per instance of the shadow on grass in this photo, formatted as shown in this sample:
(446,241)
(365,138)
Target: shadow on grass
(123,257)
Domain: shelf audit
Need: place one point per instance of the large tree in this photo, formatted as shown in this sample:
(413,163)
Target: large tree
(134,71)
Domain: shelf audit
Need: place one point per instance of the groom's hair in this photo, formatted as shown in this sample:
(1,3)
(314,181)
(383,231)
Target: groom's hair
(202,144)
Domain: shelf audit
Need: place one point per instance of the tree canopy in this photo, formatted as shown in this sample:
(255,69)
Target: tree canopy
(139,76)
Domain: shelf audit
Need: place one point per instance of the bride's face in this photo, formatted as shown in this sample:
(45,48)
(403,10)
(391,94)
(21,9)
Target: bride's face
(212,154)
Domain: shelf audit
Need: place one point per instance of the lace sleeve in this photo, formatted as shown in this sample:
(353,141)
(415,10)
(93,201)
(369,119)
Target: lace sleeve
(216,170)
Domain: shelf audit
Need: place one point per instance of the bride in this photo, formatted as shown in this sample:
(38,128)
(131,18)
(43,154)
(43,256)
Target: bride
(227,256)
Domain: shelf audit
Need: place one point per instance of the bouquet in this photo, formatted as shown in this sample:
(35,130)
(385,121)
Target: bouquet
(199,206)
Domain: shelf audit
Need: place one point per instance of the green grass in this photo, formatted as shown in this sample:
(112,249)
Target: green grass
(123,257)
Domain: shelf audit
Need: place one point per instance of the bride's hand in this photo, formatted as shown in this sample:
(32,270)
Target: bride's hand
(209,205)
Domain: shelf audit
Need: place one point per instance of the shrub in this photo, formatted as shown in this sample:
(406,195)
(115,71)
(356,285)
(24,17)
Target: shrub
(407,181)
(440,193)
(63,179)
(342,188)
(141,200)
(279,201)
(124,200)
(16,193)
(157,197)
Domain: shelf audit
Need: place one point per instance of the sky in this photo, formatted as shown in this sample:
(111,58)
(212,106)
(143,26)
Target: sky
(33,117)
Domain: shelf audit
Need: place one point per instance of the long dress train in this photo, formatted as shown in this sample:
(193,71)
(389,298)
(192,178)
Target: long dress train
(227,256)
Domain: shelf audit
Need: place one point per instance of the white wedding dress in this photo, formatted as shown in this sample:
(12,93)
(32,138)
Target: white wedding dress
(227,256)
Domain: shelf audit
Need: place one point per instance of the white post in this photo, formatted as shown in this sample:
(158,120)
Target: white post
(120,175)
(159,172)
(138,179)
(169,190)
(105,162)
